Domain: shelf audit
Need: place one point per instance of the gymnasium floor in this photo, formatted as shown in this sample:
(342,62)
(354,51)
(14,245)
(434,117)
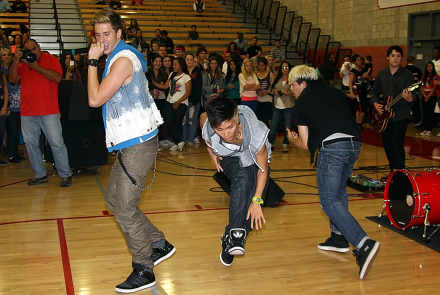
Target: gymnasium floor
(63,241)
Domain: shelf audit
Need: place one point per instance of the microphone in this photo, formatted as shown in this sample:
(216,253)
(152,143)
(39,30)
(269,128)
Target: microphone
(76,51)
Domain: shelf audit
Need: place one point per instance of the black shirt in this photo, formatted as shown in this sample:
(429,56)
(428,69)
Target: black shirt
(324,110)
(19,7)
(193,35)
(417,73)
(359,81)
(196,86)
(393,85)
(367,67)
(253,50)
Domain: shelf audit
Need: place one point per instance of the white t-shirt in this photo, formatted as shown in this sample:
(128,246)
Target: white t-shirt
(346,78)
(437,65)
(178,88)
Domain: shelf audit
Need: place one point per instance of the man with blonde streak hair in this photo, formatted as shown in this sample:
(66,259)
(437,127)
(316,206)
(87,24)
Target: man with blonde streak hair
(325,123)
(131,123)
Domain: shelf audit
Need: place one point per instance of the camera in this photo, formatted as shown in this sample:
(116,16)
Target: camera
(28,55)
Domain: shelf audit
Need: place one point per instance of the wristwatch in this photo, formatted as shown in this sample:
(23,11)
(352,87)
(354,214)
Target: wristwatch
(93,62)
(257,200)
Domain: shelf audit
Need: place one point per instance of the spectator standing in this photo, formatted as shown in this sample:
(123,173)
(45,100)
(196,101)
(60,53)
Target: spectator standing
(157,37)
(228,58)
(168,64)
(284,101)
(193,34)
(328,68)
(139,42)
(24,31)
(368,66)
(416,108)
(70,70)
(232,47)
(4,99)
(242,44)
(249,85)
(179,83)
(168,42)
(195,99)
(13,123)
(429,92)
(40,110)
(344,72)
(19,6)
(133,28)
(254,51)
(232,81)
(358,89)
(277,52)
(112,3)
(124,35)
(4,6)
(213,82)
(271,63)
(18,41)
(436,61)
(265,105)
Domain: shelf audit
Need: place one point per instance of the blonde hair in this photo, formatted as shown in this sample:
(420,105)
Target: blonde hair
(243,68)
(1,53)
(302,73)
(271,69)
(107,15)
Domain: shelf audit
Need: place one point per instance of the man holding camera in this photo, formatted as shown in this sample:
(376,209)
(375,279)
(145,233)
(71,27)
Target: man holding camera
(39,108)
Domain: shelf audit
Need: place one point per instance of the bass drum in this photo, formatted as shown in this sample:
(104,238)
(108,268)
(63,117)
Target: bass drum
(407,192)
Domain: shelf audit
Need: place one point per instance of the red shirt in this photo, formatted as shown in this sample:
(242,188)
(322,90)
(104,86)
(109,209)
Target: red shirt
(39,95)
(429,85)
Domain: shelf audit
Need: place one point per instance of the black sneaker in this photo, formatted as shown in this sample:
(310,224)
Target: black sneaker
(3,163)
(238,237)
(21,158)
(14,160)
(225,258)
(66,181)
(141,278)
(35,181)
(160,254)
(365,257)
(335,243)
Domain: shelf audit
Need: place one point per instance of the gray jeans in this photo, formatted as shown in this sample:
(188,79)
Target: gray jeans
(123,198)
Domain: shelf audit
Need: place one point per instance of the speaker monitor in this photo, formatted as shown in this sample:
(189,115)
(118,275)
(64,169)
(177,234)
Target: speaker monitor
(274,193)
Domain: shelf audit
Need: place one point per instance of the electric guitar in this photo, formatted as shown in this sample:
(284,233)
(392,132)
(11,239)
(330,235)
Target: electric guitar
(380,121)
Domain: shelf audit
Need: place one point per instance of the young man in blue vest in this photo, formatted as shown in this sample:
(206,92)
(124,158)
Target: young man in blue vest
(131,119)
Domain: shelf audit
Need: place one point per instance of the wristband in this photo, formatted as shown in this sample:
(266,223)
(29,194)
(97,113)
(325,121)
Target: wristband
(257,200)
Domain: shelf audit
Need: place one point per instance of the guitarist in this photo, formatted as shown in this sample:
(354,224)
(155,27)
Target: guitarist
(392,81)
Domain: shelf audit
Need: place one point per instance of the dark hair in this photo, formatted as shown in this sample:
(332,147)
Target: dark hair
(229,71)
(21,37)
(190,54)
(228,51)
(280,74)
(228,48)
(23,29)
(328,55)
(221,109)
(154,56)
(136,25)
(347,55)
(410,59)
(200,49)
(395,48)
(162,45)
(63,63)
(182,63)
(278,40)
(154,42)
(181,47)
(369,58)
(263,60)
(437,48)
(164,32)
(157,30)
(255,37)
(193,26)
(428,74)
(240,34)
(354,58)
(212,54)
(218,72)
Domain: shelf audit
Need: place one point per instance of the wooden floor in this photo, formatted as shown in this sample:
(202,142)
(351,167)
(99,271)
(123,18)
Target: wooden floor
(62,241)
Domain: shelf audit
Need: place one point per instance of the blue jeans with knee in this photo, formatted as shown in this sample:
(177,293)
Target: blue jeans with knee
(335,165)
(190,126)
(243,186)
(278,115)
(31,127)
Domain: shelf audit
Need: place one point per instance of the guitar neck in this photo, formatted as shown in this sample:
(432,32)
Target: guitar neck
(394,101)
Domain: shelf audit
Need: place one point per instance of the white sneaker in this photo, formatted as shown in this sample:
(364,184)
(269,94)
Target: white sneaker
(168,142)
(424,133)
(174,148)
(438,134)
(428,133)
(189,144)
(181,145)
(196,140)
(163,143)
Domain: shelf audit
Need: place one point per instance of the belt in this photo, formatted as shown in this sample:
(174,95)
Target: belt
(331,141)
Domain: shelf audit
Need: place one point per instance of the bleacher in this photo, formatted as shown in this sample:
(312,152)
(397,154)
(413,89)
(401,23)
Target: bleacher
(14,20)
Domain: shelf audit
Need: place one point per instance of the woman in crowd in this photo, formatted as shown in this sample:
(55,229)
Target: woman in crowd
(232,47)
(328,68)
(192,112)
(196,62)
(232,82)
(249,85)
(13,121)
(179,83)
(271,64)
(157,74)
(18,42)
(140,43)
(429,92)
(70,71)
(168,64)
(213,82)
(358,84)
(133,28)
(4,99)
(24,31)
(264,98)
(284,102)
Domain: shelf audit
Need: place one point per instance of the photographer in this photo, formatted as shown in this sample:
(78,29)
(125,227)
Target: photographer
(39,108)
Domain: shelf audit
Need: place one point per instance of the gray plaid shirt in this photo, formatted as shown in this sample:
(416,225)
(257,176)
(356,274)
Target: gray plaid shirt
(277,55)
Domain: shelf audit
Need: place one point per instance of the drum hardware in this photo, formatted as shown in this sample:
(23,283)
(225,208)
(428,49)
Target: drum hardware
(429,238)
(384,208)
(417,174)
(427,209)
(415,216)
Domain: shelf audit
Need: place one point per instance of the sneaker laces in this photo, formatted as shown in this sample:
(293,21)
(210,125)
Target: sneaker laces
(357,254)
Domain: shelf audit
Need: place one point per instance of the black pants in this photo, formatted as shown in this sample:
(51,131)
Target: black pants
(13,126)
(393,138)
(243,186)
(429,118)
(118,4)
(264,112)
(416,111)
(173,120)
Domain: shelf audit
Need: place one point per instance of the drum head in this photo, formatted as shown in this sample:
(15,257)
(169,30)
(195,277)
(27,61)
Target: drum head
(401,201)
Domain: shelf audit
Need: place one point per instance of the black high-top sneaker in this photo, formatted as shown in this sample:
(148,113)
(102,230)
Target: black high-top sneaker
(335,243)
(141,278)
(238,237)
(365,257)
(160,254)
(225,258)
